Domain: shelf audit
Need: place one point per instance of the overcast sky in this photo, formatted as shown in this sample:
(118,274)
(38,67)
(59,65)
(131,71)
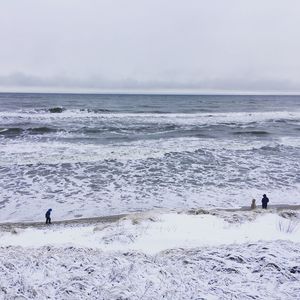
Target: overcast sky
(154,45)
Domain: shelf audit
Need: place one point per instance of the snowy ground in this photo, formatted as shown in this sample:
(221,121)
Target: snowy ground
(220,255)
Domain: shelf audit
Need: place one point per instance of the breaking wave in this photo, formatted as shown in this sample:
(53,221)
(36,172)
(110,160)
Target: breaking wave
(113,154)
(11,132)
(253,132)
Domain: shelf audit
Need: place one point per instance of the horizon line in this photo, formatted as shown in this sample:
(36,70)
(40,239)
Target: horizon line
(159,93)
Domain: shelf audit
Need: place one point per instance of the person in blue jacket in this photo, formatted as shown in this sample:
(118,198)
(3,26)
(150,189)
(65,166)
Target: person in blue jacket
(264,201)
(47,215)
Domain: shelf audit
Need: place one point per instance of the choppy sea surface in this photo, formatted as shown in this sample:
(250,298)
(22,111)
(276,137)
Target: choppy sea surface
(93,155)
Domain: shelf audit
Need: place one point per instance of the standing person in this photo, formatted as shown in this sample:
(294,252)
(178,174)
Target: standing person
(47,215)
(264,201)
(253,204)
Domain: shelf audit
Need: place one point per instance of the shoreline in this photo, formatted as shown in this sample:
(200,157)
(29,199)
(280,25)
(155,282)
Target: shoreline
(114,218)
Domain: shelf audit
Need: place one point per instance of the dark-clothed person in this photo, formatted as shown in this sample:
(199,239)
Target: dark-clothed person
(47,215)
(264,201)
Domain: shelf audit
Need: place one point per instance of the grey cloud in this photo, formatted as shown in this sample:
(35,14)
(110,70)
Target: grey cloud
(97,83)
(160,44)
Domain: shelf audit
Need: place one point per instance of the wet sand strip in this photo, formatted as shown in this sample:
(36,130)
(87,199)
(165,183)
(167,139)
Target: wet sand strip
(277,207)
(81,221)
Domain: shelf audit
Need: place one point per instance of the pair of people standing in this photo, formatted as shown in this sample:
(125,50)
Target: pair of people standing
(264,202)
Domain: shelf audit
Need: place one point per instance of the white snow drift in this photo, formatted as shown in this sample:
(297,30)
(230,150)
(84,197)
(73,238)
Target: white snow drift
(153,233)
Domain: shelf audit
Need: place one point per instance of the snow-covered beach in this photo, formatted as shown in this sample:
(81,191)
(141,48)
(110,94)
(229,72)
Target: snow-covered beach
(201,254)
(150,197)
(149,150)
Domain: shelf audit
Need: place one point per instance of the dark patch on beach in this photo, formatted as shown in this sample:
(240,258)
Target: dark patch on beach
(295,270)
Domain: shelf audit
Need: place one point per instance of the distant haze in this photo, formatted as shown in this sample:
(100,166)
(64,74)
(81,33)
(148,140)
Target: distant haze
(139,45)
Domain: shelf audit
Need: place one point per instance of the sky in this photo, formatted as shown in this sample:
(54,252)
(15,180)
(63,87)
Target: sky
(150,45)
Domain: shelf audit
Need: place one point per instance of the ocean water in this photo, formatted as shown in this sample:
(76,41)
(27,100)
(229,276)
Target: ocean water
(96,155)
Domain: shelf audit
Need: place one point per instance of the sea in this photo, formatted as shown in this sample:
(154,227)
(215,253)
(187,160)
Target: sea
(86,155)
